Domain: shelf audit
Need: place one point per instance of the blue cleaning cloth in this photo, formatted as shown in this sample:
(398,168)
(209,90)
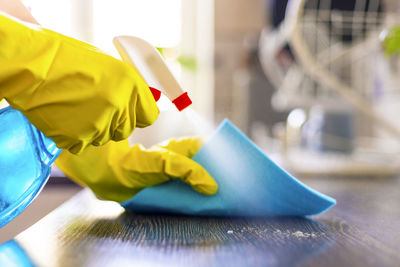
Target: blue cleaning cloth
(250,184)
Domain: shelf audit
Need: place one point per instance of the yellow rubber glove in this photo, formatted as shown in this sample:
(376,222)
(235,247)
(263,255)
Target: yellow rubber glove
(117,171)
(68,89)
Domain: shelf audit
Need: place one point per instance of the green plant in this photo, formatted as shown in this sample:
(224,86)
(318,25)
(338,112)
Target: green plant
(187,62)
(391,41)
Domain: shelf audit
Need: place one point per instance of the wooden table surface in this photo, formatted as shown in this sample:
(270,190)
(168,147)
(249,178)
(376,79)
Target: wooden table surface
(362,230)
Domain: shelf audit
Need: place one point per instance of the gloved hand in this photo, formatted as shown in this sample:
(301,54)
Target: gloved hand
(117,171)
(68,89)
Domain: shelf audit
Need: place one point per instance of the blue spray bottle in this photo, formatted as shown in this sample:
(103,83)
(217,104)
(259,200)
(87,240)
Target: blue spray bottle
(26,156)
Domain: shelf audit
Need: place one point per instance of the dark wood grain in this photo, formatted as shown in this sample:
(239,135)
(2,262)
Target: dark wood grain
(362,230)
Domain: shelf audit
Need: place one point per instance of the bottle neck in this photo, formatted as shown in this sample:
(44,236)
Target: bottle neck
(48,151)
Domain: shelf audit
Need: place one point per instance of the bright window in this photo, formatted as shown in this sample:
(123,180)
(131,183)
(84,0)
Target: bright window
(55,15)
(157,21)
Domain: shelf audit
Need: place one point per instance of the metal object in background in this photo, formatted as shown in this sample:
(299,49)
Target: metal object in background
(327,53)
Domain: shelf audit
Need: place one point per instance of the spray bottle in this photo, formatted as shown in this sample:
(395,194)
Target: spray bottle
(26,154)
(151,66)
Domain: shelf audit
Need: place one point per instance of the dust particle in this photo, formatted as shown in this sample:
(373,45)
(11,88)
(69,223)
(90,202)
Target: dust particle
(299,234)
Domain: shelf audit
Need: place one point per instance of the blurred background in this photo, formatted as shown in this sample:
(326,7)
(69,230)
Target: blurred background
(308,81)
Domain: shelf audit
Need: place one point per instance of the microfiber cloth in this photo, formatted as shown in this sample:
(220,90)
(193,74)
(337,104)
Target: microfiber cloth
(250,184)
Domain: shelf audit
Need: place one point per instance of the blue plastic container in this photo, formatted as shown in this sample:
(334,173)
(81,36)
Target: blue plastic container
(26,156)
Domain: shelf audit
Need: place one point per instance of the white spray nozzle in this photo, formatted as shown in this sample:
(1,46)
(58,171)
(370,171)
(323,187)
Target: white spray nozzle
(151,66)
